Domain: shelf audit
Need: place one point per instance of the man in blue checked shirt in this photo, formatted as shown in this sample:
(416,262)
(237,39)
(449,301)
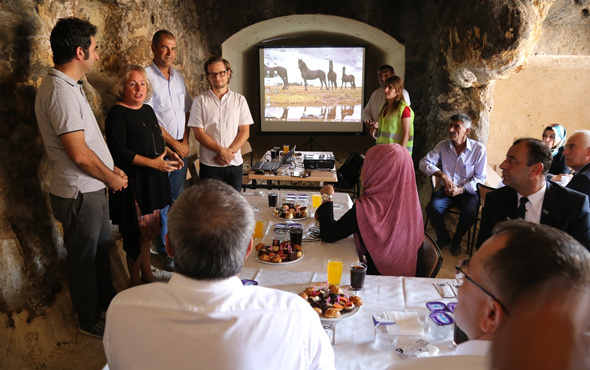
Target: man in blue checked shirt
(463,166)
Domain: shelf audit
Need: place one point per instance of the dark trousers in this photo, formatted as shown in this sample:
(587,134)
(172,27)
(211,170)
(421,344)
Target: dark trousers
(87,239)
(440,203)
(231,175)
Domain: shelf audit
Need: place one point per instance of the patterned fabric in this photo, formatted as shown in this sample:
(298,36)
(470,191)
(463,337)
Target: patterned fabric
(388,213)
(149,225)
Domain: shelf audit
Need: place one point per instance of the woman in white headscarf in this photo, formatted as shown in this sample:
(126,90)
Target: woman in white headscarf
(554,136)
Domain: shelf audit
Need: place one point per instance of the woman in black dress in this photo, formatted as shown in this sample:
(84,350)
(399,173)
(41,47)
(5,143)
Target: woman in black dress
(138,148)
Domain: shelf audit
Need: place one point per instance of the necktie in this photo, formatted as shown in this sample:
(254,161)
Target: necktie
(522,208)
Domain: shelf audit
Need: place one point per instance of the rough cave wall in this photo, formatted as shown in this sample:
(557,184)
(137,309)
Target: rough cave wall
(454,52)
(31,246)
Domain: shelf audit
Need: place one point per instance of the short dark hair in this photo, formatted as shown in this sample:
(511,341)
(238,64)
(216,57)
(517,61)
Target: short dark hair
(160,33)
(538,152)
(216,59)
(209,228)
(463,118)
(388,67)
(534,254)
(69,34)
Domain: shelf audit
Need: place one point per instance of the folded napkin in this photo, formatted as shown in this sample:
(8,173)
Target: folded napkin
(409,322)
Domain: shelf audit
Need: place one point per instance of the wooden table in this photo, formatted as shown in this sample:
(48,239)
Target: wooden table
(284,174)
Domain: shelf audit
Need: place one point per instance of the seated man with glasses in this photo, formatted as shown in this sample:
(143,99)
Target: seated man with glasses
(516,259)
(221,122)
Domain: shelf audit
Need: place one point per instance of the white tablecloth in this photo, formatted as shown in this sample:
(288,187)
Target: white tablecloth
(354,346)
(317,253)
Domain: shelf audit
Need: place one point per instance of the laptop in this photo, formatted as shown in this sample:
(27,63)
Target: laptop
(273,166)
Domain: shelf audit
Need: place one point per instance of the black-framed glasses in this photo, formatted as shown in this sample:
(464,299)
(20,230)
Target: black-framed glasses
(215,74)
(462,275)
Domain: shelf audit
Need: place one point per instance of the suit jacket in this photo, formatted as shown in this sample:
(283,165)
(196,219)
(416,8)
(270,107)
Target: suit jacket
(563,209)
(581,180)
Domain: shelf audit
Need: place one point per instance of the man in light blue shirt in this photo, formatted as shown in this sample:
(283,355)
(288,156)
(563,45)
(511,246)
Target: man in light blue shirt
(171,103)
(463,166)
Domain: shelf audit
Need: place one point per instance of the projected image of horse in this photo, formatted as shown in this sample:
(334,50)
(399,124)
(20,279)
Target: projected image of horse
(347,78)
(332,76)
(280,72)
(308,74)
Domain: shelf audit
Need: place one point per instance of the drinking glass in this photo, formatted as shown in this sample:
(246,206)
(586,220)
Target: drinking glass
(334,267)
(316,200)
(273,199)
(296,234)
(358,271)
(285,148)
(258,230)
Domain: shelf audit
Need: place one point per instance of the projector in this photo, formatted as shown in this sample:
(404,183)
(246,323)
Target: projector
(319,161)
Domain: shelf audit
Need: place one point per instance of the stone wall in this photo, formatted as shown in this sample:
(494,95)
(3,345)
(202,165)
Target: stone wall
(31,246)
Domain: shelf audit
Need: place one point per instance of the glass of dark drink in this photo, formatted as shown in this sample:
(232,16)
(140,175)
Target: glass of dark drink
(273,199)
(358,271)
(296,234)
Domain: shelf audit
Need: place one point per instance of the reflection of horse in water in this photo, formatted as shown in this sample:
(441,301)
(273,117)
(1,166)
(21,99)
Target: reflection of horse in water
(332,76)
(313,117)
(280,71)
(308,74)
(285,113)
(347,78)
(345,112)
(331,115)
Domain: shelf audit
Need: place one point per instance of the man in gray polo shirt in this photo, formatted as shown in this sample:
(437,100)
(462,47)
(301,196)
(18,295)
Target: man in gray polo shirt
(82,168)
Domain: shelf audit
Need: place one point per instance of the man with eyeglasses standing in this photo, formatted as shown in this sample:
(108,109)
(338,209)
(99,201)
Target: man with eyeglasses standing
(221,122)
(529,196)
(171,103)
(518,258)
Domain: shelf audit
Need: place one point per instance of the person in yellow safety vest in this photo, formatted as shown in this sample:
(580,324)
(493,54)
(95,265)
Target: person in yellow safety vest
(396,118)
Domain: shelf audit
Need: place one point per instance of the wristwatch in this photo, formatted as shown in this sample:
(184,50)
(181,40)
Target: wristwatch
(326,197)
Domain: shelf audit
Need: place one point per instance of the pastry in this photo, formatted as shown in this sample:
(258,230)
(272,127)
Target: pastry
(264,257)
(331,313)
(356,300)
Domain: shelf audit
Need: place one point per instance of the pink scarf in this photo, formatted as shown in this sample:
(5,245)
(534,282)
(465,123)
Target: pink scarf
(388,213)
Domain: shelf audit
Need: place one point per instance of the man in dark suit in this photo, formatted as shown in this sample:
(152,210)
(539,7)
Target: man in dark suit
(528,195)
(577,157)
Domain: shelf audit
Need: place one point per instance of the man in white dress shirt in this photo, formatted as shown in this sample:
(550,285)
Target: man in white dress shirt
(370,114)
(518,258)
(171,103)
(221,122)
(204,317)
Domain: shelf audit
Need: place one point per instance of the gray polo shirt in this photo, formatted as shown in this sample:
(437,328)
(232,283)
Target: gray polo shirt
(61,107)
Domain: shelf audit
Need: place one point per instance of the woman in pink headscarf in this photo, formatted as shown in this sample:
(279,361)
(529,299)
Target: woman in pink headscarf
(387,219)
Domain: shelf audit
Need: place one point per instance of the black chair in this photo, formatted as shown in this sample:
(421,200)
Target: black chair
(434,183)
(349,175)
(482,192)
(429,259)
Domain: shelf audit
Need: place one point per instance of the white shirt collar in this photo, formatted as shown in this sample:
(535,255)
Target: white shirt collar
(534,206)
(473,347)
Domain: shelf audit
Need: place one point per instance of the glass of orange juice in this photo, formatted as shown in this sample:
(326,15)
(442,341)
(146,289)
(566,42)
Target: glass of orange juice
(316,200)
(334,267)
(258,230)
(285,148)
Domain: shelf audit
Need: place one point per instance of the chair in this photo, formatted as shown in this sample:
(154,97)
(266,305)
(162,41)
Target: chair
(482,192)
(429,259)
(349,175)
(434,183)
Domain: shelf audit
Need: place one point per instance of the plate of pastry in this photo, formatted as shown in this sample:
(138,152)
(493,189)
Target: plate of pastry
(291,211)
(278,253)
(332,303)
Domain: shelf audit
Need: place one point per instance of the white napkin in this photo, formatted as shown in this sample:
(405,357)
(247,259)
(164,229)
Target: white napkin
(409,322)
